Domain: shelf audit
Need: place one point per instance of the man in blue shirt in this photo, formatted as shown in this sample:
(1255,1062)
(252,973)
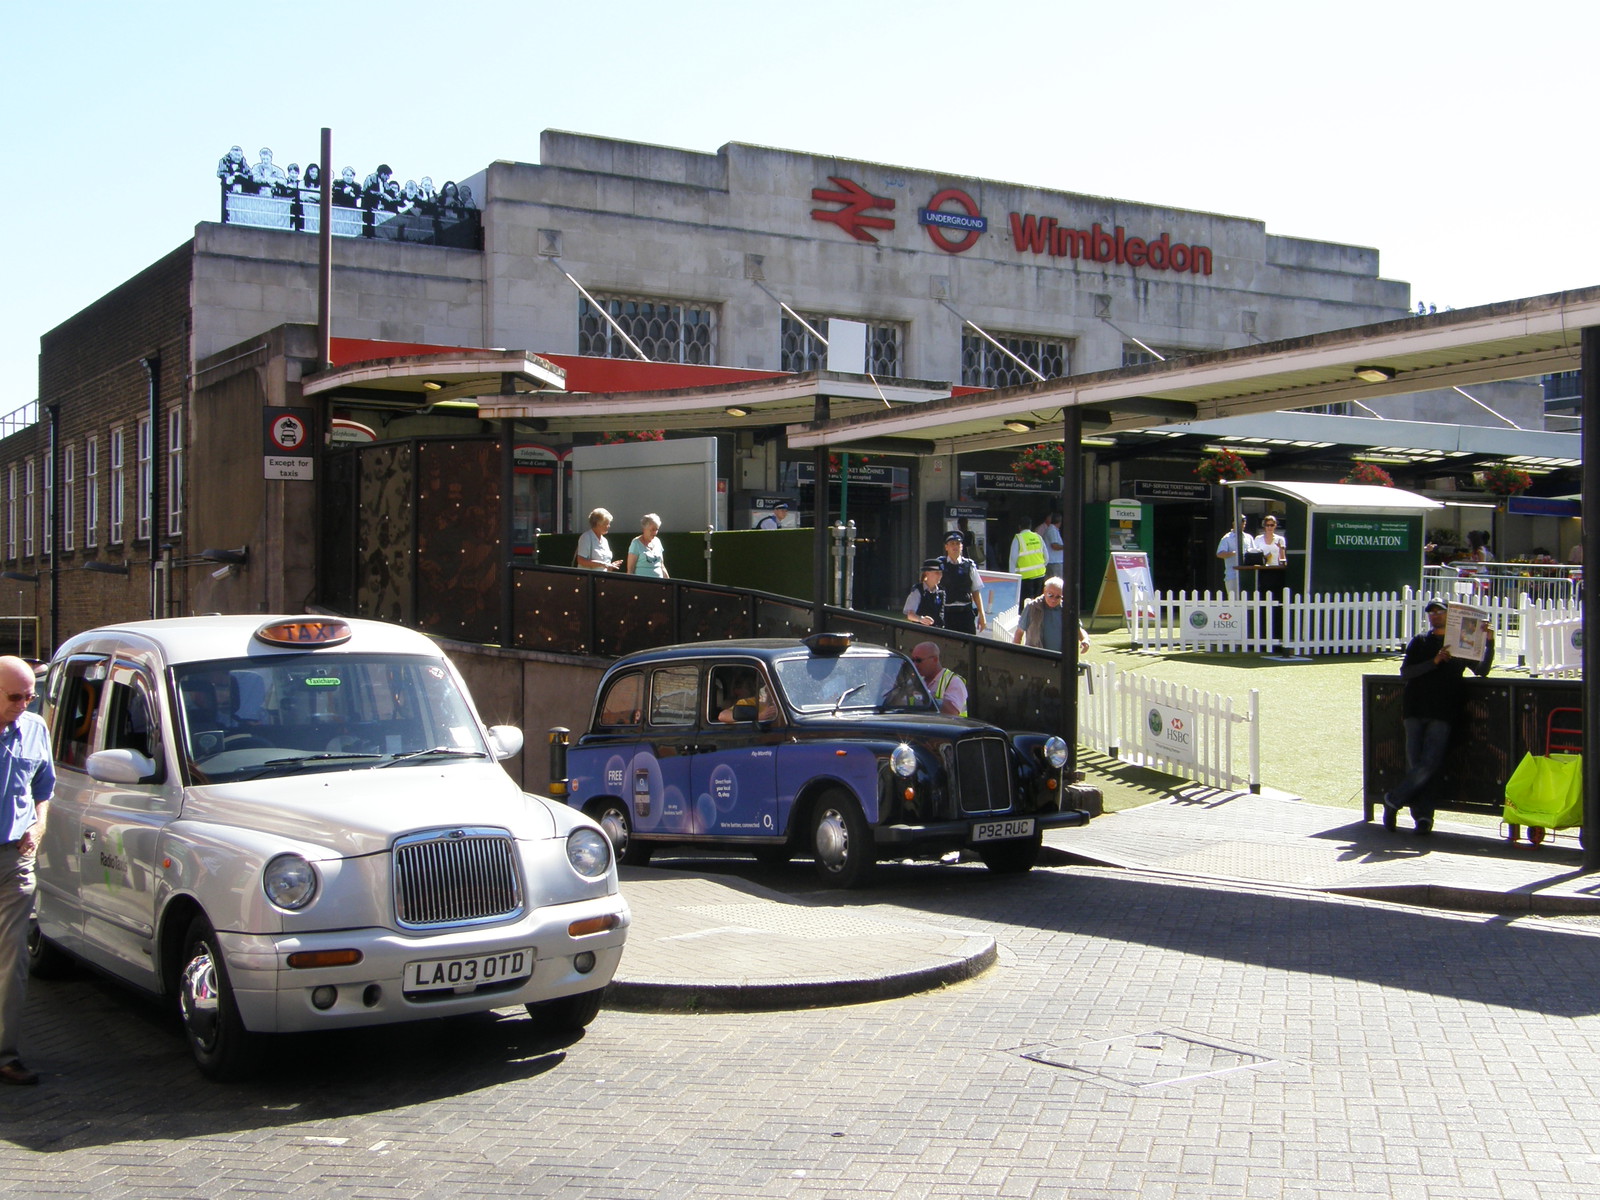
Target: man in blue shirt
(27,781)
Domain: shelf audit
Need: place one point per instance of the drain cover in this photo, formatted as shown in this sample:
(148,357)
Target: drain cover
(1139,1061)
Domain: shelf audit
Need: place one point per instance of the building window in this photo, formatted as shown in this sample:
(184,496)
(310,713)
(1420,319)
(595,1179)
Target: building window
(1134,355)
(47,538)
(799,351)
(666,330)
(141,479)
(27,508)
(91,492)
(11,511)
(116,486)
(984,366)
(175,472)
(69,479)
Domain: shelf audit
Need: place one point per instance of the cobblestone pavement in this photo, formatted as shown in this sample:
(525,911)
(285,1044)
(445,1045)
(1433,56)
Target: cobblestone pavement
(1141,1035)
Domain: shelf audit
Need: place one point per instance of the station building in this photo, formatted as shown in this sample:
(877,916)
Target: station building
(136,486)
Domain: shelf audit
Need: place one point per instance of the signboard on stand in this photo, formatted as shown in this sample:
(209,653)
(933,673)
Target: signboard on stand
(1127,575)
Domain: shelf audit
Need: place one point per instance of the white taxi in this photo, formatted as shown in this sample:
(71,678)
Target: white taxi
(301,823)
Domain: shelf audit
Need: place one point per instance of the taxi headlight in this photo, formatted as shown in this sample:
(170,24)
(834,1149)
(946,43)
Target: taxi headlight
(589,852)
(1055,753)
(903,761)
(289,881)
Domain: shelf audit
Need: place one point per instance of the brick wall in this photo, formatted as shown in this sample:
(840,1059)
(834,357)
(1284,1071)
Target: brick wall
(89,366)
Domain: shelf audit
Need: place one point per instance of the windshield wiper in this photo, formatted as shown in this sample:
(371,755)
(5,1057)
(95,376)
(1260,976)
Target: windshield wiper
(443,751)
(848,692)
(294,763)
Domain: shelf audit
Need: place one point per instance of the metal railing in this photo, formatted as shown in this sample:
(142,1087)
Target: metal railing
(1504,583)
(569,610)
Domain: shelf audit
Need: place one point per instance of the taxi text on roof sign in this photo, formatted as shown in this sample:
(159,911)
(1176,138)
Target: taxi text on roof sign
(304,633)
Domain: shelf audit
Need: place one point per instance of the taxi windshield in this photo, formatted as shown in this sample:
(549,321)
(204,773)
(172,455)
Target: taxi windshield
(246,718)
(852,682)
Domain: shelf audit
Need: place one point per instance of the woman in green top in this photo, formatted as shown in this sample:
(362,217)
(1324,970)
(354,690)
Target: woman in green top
(644,554)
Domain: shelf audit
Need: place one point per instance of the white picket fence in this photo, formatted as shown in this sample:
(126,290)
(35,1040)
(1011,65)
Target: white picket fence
(1551,642)
(1338,623)
(1183,731)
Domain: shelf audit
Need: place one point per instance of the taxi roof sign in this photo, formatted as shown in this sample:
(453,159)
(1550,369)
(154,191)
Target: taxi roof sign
(830,643)
(307,631)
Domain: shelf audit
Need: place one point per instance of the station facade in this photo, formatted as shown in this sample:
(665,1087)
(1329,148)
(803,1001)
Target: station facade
(146,451)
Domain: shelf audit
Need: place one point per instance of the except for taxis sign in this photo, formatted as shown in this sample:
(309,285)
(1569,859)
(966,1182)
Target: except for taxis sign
(287,442)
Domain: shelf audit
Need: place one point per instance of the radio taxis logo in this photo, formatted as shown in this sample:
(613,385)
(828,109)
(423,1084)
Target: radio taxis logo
(1154,721)
(1577,639)
(1198,619)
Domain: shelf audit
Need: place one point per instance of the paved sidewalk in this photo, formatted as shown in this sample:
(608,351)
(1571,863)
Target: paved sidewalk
(1278,839)
(703,941)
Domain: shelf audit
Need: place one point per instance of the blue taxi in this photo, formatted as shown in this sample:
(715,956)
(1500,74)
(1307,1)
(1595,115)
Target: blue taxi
(822,748)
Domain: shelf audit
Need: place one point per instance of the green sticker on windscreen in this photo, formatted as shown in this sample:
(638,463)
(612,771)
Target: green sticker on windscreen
(323,682)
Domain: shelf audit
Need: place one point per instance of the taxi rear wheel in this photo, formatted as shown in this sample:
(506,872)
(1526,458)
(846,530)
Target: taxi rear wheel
(614,818)
(222,1047)
(841,841)
(567,1014)
(1014,857)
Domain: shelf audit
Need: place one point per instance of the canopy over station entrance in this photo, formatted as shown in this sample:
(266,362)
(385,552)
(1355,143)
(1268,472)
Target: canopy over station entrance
(1510,340)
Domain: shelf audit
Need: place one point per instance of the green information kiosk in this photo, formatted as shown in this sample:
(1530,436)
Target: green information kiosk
(1342,537)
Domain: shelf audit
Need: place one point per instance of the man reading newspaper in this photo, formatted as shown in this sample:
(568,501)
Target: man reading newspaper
(1430,706)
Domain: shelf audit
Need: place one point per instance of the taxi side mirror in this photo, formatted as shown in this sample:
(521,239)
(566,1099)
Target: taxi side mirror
(746,710)
(120,766)
(505,741)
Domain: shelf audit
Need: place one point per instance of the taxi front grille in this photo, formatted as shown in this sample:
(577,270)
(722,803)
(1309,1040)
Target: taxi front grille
(983,775)
(455,877)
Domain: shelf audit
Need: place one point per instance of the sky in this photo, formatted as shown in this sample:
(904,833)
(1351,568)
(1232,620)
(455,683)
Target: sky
(1447,136)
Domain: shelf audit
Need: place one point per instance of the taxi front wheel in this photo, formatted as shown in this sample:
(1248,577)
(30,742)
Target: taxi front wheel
(613,817)
(567,1014)
(223,1048)
(841,841)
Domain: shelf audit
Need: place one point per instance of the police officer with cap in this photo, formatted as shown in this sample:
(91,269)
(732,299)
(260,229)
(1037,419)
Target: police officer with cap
(963,587)
(925,602)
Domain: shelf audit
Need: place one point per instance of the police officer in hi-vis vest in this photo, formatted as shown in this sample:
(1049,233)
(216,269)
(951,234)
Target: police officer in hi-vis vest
(963,588)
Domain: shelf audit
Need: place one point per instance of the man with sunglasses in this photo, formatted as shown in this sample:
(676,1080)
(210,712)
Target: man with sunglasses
(27,781)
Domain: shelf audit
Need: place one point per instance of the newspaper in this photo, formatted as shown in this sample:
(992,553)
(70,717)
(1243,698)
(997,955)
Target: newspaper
(1465,627)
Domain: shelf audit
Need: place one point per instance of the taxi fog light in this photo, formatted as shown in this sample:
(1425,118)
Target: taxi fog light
(593,925)
(589,852)
(301,959)
(324,997)
(1050,785)
(584,962)
(289,881)
(903,761)
(1055,752)
(911,793)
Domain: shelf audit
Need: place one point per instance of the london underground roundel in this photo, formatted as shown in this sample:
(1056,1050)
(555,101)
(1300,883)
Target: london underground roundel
(953,230)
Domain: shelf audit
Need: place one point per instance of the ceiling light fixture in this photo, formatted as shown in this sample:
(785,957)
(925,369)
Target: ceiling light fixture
(737,410)
(1019,426)
(432,385)
(1376,374)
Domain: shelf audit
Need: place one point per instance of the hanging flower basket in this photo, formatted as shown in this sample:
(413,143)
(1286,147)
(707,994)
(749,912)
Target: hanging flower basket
(1503,480)
(1221,467)
(1043,461)
(1369,473)
(610,437)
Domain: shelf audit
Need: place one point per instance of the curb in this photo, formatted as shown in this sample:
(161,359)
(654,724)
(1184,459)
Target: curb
(976,956)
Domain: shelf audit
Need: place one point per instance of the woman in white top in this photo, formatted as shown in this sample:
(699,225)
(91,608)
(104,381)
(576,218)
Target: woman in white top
(1271,543)
(594,551)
